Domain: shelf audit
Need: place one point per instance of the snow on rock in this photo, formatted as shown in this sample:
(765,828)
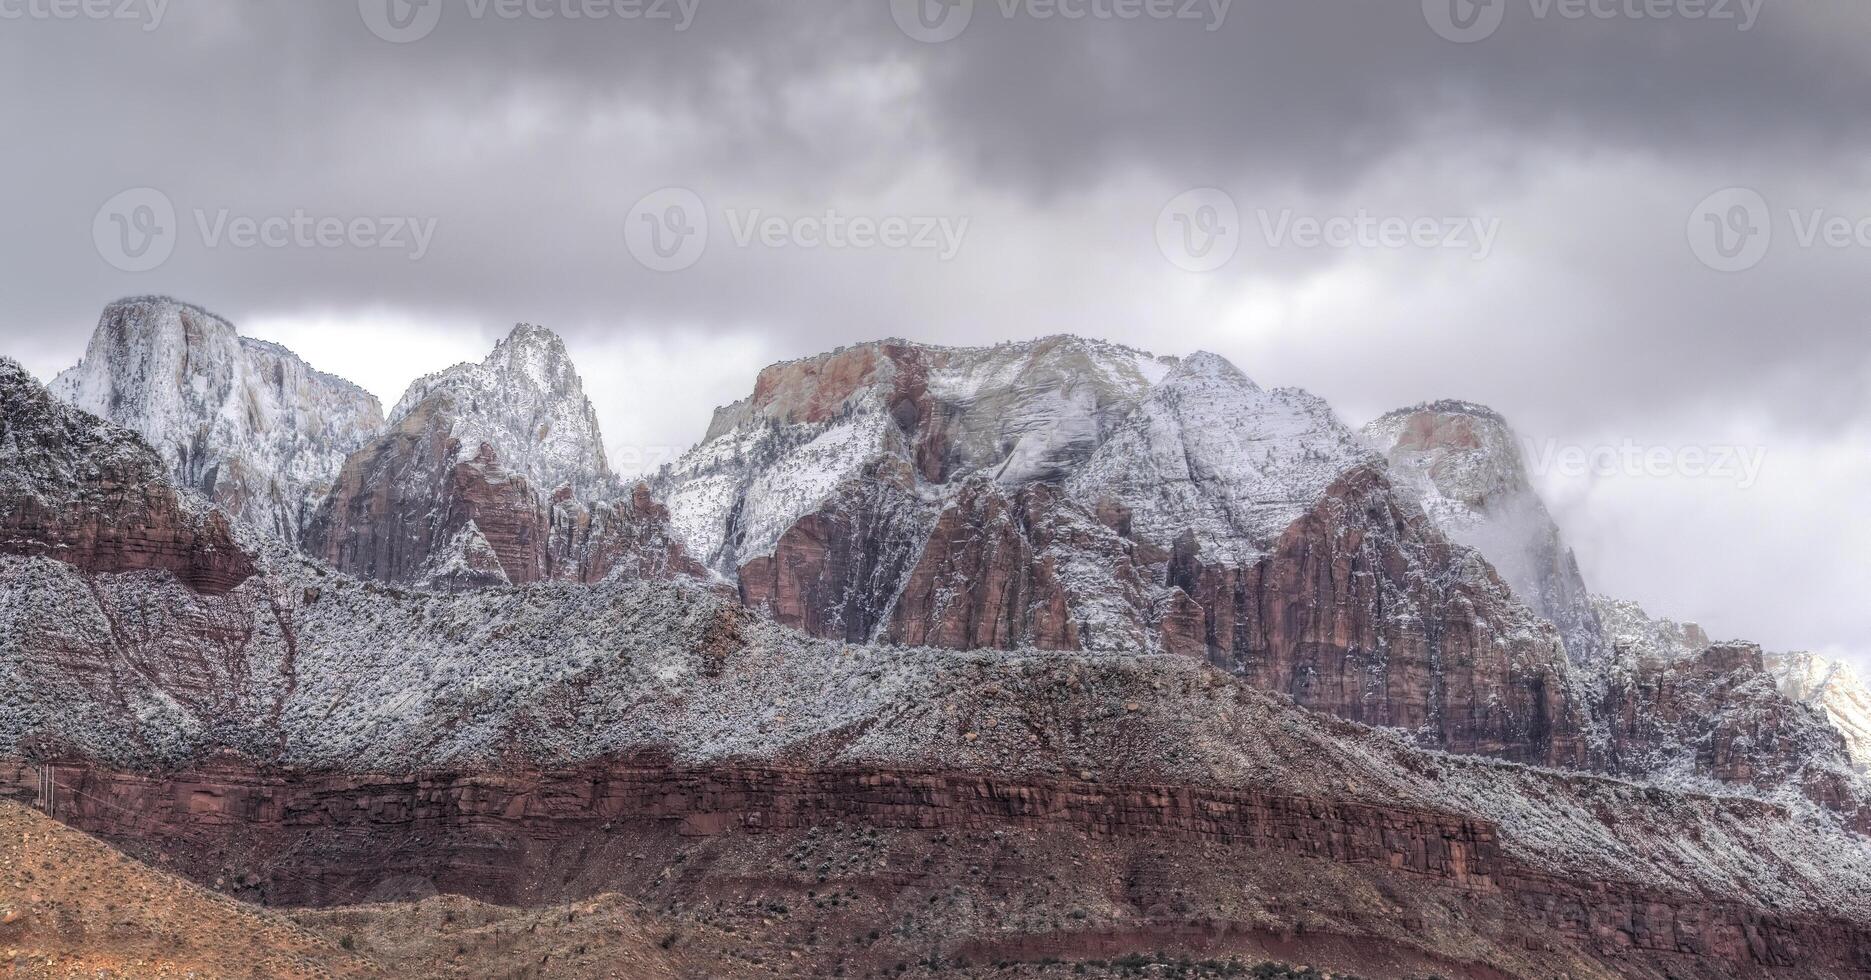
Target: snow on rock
(243,421)
(1835,689)
(1464,462)
(386,680)
(499,462)
(1648,639)
(525,400)
(466,562)
(1019,412)
(1210,452)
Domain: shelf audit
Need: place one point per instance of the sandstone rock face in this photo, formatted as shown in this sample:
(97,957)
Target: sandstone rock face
(1465,463)
(1720,714)
(490,474)
(835,572)
(1673,703)
(1340,617)
(244,422)
(80,490)
(628,538)
(1064,494)
(333,837)
(1024,567)
(1658,697)
(1016,412)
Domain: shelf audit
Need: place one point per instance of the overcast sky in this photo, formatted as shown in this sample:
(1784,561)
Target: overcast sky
(1628,227)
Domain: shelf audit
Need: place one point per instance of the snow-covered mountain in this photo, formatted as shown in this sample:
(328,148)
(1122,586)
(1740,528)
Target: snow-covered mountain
(1210,453)
(526,402)
(1071,494)
(1015,412)
(492,473)
(173,674)
(1836,690)
(1464,461)
(244,421)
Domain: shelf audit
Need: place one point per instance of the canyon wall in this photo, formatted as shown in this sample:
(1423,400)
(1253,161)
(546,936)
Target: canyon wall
(517,837)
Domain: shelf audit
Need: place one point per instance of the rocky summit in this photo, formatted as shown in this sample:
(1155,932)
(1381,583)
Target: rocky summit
(1037,659)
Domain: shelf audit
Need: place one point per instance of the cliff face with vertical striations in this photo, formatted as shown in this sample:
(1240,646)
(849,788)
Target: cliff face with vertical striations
(1067,494)
(242,421)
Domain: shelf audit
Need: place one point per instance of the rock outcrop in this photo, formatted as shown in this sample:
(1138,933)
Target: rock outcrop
(1465,464)
(1835,690)
(242,421)
(80,490)
(493,473)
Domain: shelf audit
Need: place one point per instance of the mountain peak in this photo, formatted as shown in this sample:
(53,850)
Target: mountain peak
(246,422)
(526,401)
(1448,406)
(1204,364)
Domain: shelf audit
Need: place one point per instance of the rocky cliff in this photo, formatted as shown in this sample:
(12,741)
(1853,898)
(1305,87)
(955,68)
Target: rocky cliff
(245,422)
(83,491)
(493,473)
(1066,494)
(1464,462)
(1834,689)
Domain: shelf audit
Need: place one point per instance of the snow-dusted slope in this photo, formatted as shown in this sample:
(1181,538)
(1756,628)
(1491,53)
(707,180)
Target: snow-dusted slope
(1836,690)
(1464,461)
(1017,412)
(525,400)
(1212,453)
(1646,638)
(244,421)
